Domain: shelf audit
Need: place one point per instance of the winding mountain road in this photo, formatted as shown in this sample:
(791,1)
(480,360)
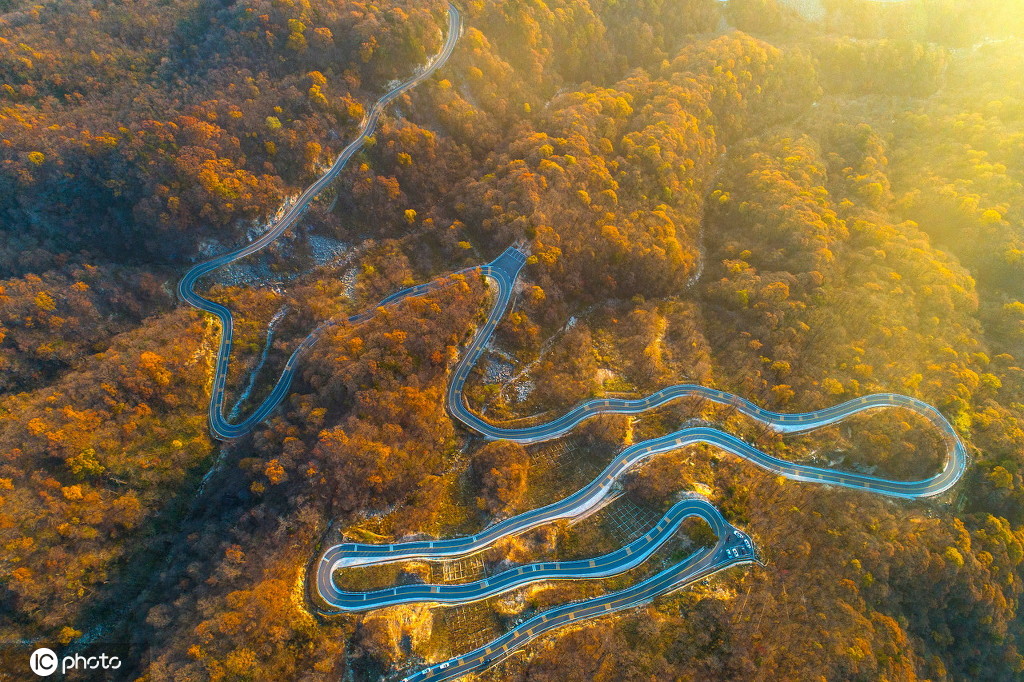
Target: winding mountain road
(623,559)
(732,547)
(219,426)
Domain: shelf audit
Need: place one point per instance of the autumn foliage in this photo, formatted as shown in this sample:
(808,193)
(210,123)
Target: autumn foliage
(801,210)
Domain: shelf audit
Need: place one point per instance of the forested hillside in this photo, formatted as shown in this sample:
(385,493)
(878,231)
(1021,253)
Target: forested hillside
(799,211)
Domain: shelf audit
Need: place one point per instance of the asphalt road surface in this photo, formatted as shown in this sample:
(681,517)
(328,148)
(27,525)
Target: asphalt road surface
(613,563)
(732,546)
(219,426)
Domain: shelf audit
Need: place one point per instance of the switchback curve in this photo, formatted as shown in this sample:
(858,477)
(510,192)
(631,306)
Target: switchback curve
(503,272)
(613,563)
(219,425)
(733,546)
